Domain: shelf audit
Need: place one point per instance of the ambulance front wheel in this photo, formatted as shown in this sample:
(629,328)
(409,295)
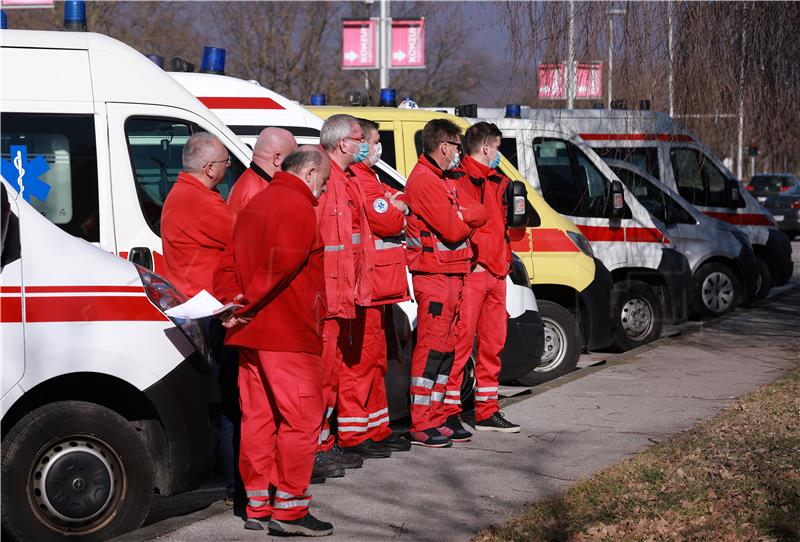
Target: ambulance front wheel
(715,290)
(765,279)
(638,314)
(562,344)
(74,469)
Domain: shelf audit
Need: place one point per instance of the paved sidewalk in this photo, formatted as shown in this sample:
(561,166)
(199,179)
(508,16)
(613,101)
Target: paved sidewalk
(568,432)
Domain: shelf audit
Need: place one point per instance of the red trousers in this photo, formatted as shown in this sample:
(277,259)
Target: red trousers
(332,363)
(361,410)
(438,299)
(483,310)
(281,396)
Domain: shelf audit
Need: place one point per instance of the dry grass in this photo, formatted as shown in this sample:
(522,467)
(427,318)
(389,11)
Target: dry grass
(735,477)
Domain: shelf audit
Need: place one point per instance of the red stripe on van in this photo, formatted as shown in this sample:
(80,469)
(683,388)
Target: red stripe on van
(90,309)
(219,102)
(743,219)
(82,289)
(631,235)
(10,290)
(11,310)
(552,240)
(635,137)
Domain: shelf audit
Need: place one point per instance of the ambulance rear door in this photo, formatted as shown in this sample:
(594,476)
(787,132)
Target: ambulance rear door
(146,148)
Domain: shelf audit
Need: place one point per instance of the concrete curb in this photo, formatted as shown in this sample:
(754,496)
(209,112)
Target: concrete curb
(166,526)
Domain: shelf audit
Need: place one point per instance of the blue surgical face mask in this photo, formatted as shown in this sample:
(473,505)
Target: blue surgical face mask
(496,162)
(363,152)
(454,163)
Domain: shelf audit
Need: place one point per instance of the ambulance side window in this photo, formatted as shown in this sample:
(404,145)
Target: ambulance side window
(645,158)
(57,156)
(716,190)
(688,175)
(556,177)
(592,186)
(418,142)
(508,148)
(388,148)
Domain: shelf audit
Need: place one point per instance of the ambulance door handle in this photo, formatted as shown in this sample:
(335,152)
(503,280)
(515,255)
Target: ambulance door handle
(141,256)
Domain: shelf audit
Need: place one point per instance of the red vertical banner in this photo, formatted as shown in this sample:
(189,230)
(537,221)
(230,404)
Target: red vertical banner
(359,44)
(408,43)
(552,82)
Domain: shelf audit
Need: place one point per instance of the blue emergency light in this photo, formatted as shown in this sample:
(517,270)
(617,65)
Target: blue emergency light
(513,111)
(388,97)
(3,20)
(213,60)
(158,60)
(319,99)
(75,15)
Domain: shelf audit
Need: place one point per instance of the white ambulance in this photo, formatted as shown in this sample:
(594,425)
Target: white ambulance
(651,278)
(674,155)
(247,108)
(103,396)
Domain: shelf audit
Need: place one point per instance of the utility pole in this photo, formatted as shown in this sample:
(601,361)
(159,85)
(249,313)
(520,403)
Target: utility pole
(669,46)
(741,95)
(611,13)
(570,67)
(384,55)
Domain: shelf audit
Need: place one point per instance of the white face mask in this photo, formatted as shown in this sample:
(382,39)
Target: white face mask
(374,158)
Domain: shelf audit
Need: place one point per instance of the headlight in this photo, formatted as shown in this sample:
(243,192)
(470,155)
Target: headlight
(581,242)
(165,296)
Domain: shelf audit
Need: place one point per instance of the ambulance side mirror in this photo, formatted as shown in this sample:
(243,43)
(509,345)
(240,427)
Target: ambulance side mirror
(521,213)
(617,200)
(736,199)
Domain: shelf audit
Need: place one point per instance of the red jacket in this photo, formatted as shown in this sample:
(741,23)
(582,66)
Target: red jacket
(278,255)
(437,239)
(251,182)
(196,224)
(490,242)
(386,223)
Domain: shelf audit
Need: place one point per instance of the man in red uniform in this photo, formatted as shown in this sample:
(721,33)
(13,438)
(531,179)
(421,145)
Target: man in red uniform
(362,410)
(340,219)
(196,223)
(272,146)
(483,304)
(439,256)
(196,226)
(278,252)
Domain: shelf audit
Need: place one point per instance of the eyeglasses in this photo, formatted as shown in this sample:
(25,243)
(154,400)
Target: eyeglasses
(227,162)
(458,145)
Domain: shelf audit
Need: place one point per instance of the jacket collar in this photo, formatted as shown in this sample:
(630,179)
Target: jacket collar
(191,180)
(295,182)
(260,172)
(426,160)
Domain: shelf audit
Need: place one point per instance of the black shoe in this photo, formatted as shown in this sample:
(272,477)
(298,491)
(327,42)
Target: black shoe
(453,430)
(347,460)
(395,443)
(326,467)
(369,449)
(256,524)
(430,438)
(498,423)
(317,478)
(307,525)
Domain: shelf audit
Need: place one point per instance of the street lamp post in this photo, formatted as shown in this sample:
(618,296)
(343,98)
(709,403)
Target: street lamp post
(611,13)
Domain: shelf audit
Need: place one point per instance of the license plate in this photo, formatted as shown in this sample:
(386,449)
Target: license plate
(762,199)
(778,217)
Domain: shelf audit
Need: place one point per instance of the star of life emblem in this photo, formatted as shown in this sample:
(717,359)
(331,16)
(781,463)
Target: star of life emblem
(380,205)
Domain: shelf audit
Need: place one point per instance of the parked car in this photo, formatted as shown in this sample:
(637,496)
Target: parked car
(785,208)
(764,185)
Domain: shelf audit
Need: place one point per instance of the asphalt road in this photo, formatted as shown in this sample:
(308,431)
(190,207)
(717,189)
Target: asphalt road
(613,406)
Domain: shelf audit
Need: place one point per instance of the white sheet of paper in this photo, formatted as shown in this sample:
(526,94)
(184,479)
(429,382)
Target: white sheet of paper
(201,305)
(519,299)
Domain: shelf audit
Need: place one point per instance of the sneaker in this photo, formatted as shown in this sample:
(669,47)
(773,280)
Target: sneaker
(497,422)
(256,524)
(430,438)
(317,478)
(369,449)
(395,443)
(307,525)
(453,430)
(326,467)
(345,459)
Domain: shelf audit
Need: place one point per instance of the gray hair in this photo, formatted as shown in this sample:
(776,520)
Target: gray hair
(302,158)
(335,128)
(199,151)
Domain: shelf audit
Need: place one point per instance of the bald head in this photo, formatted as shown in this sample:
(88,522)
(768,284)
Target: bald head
(272,146)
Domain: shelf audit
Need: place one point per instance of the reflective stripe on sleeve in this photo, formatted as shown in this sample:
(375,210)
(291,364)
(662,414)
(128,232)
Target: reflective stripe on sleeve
(420,400)
(437,397)
(421,382)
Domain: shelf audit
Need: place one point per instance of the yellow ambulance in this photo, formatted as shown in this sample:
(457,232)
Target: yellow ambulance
(572,287)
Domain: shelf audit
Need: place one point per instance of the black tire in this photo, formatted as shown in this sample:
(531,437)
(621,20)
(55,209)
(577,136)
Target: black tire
(562,344)
(766,279)
(638,315)
(715,290)
(40,457)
